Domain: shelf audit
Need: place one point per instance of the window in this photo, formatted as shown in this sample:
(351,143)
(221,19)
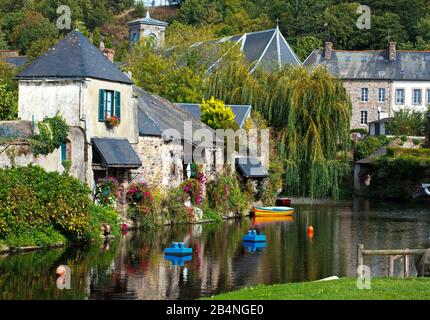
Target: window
(400,96)
(363,119)
(417,97)
(428,96)
(381,95)
(109,104)
(66,151)
(364,94)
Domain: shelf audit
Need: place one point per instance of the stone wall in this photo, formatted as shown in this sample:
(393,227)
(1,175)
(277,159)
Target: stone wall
(17,152)
(161,162)
(353,88)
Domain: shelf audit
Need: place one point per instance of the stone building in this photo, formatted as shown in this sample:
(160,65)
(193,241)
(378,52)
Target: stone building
(76,80)
(147,27)
(379,82)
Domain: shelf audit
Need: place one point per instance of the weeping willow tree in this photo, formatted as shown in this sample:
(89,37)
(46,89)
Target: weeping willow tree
(310,112)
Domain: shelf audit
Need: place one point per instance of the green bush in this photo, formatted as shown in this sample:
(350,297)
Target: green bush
(407,122)
(174,204)
(100,215)
(360,130)
(366,147)
(43,237)
(32,198)
(226,195)
(397,151)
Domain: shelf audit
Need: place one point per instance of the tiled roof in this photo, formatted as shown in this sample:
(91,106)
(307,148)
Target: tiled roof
(241,111)
(374,64)
(149,21)
(157,115)
(116,153)
(74,57)
(267,48)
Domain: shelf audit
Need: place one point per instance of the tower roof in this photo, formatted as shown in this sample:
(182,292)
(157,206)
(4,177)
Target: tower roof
(73,57)
(148,21)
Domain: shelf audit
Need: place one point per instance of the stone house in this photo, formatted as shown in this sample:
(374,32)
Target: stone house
(379,82)
(77,80)
(147,27)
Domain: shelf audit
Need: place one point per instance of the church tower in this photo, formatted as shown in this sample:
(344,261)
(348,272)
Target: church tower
(147,27)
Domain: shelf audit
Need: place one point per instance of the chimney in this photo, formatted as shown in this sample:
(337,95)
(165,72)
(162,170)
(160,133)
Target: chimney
(392,51)
(328,49)
(109,53)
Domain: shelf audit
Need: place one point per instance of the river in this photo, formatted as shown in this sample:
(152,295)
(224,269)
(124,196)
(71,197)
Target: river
(134,266)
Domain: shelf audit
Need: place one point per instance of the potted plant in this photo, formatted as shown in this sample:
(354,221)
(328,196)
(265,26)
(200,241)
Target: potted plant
(112,121)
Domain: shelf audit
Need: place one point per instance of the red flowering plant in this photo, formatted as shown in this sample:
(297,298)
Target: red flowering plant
(194,187)
(140,195)
(112,121)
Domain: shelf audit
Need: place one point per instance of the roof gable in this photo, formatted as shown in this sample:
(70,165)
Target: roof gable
(74,57)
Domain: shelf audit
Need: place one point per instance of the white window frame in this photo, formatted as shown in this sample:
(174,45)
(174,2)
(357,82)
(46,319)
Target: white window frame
(396,96)
(365,94)
(384,95)
(362,112)
(414,90)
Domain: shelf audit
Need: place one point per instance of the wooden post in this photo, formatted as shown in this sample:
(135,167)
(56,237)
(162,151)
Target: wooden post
(360,255)
(391,266)
(406,267)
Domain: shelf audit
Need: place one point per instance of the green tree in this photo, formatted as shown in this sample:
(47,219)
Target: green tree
(33,27)
(303,46)
(162,75)
(216,114)
(8,92)
(387,28)
(422,29)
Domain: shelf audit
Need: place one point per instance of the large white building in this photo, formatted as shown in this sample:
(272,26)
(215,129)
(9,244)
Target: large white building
(379,82)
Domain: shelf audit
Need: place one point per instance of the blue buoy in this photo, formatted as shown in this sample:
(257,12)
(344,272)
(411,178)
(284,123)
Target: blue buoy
(178,260)
(252,236)
(178,249)
(254,246)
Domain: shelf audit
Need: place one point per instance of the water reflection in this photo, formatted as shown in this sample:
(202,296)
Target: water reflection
(135,266)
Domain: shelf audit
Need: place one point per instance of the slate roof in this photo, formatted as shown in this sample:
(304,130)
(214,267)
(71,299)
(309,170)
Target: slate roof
(15,129)
(241,111)
(267,48)
(17,61)
(116,153)
(156,115)
(374,64)
(74,57)
(251,168)
(148,21)
(380,152)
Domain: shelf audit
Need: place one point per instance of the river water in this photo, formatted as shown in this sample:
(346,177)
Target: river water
(134,267)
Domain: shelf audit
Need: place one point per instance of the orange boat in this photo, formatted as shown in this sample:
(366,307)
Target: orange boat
(264,220)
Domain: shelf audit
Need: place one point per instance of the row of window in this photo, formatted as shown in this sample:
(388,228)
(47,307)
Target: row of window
(365,95)
(417,96)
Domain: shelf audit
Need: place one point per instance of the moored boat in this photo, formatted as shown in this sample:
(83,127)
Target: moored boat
(273,211)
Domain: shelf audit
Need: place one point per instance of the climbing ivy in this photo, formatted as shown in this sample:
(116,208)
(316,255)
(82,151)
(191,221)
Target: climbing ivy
(52,133)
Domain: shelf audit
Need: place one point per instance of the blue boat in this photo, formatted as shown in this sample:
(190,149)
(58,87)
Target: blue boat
(178,260)
(178,249)
(252,236)
(254,246)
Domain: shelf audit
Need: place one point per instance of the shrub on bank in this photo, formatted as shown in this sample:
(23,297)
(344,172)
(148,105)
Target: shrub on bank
(32,200)
(103,215)
(366,147)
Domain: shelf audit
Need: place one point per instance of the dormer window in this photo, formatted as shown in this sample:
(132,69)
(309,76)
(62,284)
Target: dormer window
(109,104)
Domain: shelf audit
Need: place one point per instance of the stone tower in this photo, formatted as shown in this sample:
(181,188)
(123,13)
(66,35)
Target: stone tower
(147,27)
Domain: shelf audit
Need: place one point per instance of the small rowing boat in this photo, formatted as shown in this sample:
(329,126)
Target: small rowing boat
(266,220)
(273,211)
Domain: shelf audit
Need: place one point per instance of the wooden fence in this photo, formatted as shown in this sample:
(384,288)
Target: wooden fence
(392,256)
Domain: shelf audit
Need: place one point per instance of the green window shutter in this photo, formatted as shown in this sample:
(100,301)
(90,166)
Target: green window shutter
(118,104)
(101,105)
(63,152)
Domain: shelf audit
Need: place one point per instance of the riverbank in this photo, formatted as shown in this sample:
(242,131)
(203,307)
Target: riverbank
(342,289)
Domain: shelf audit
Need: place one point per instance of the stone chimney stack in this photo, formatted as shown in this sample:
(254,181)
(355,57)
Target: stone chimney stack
(392,51)
(109,53)
(328,50)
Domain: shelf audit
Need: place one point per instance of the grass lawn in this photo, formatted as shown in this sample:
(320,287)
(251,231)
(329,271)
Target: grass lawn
(343,289)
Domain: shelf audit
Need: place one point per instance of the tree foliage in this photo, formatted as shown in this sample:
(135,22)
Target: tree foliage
(216,114)
(8,92)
